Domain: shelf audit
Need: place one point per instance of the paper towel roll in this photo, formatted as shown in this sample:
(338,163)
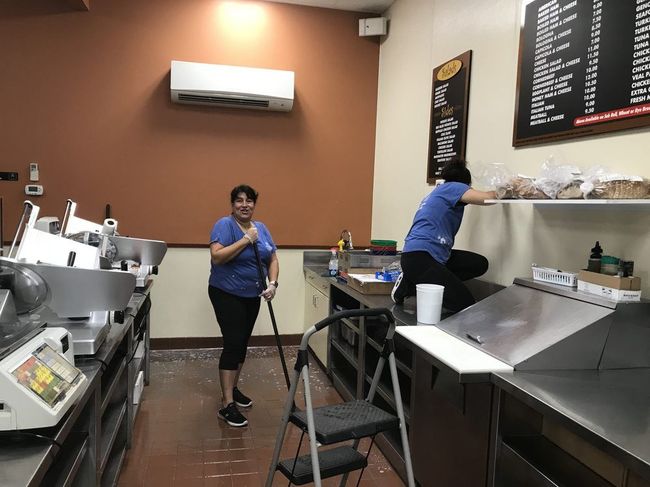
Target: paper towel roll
(109,227)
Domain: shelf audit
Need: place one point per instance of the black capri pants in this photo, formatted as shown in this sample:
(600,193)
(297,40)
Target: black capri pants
(236,317)
(421,268)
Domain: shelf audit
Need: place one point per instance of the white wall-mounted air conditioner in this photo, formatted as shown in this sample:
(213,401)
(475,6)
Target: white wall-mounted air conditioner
(231,86)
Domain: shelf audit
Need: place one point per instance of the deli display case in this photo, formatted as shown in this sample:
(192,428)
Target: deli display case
(530,333)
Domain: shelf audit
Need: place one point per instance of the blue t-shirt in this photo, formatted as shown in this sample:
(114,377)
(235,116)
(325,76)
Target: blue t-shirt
(437,221)
(240,276)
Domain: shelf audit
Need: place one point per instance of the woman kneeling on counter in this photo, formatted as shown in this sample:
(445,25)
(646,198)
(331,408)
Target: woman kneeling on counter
(428,257)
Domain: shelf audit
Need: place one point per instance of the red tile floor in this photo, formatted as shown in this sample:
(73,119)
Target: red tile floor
(179,441)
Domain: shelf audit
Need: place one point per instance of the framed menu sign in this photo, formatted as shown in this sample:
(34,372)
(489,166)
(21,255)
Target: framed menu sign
(449,102)
(584,68)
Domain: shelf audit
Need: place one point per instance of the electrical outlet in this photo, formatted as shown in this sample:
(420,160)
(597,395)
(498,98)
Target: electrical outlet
(8,176)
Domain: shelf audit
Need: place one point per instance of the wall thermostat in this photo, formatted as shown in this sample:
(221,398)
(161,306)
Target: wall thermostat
(34,189)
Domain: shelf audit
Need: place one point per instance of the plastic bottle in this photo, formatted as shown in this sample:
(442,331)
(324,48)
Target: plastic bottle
(627,267)
(609,265)
(594,258)
(333,266)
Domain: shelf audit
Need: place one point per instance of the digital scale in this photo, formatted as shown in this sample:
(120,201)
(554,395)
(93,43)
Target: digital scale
(38,381)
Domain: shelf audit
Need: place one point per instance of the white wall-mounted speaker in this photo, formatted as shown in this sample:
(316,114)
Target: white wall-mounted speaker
(376,26)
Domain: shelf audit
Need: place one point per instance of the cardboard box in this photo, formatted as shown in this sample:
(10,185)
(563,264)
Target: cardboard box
(359,270)
(614,282)
(360,259)
(609,292)
(368,284)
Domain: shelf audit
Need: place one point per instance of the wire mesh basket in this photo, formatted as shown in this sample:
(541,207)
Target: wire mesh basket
(555,276)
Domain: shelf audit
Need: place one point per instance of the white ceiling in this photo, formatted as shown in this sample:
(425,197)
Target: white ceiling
(370,6)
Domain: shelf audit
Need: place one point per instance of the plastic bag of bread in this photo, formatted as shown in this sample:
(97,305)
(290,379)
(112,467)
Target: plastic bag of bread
(520,187)
(489,176)
(603,184)
(571,191)
(616,187)
(504,191)
(560,181)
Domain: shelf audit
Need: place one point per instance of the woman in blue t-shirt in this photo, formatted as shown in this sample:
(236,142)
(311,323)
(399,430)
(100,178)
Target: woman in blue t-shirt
(428,257)
(235,290)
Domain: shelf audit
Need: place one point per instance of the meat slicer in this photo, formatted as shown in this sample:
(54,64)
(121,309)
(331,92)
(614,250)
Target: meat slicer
(82,287)
(139,256)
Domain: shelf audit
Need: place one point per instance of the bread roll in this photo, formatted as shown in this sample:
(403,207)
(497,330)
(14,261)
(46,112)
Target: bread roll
(618,189)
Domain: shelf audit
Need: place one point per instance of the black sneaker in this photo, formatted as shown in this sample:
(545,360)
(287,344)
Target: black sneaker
(397,294)
(241,400)
(231,415)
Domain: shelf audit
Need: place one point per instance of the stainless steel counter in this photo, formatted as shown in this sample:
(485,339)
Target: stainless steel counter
(405,315)
(317,271)
(609,409)
(25,459)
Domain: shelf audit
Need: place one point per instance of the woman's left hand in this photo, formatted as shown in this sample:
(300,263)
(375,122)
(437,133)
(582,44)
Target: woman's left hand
(269,293)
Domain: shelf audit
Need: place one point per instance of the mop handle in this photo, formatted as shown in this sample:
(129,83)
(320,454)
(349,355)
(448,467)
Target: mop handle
(275,326)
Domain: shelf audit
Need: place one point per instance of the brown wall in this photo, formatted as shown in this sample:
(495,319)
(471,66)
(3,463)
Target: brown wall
(86,95)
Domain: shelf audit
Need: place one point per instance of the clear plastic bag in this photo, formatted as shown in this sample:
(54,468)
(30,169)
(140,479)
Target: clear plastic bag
(489,176)
(560,181)
(571,191)
(520,187)
(601,183)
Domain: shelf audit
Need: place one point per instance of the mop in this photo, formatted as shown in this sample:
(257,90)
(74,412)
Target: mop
(272,314)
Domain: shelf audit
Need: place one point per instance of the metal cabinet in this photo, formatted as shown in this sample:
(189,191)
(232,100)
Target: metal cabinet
(537,447)
(317,309)
(355,348)
(138,364)
(450,446)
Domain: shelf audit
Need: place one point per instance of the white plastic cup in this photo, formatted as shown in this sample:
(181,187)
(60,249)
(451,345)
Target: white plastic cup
(429,303)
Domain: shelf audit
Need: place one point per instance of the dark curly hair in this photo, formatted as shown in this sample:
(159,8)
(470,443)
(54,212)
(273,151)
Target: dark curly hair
(456,171)
(243,188)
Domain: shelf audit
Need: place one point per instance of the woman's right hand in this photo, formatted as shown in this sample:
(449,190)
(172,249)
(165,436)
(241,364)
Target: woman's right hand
(251,234)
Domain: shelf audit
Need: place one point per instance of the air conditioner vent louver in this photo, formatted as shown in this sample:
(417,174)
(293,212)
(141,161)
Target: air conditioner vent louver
(223,101)
(218,85)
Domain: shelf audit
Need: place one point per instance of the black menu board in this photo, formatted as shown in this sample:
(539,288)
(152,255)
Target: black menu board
(449,102)
(584,68)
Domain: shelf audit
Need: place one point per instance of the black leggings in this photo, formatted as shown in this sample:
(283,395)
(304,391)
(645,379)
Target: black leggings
(421,268)
(236,317)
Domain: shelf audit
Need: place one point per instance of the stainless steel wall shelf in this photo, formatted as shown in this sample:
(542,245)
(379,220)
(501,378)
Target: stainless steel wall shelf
(577,203)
